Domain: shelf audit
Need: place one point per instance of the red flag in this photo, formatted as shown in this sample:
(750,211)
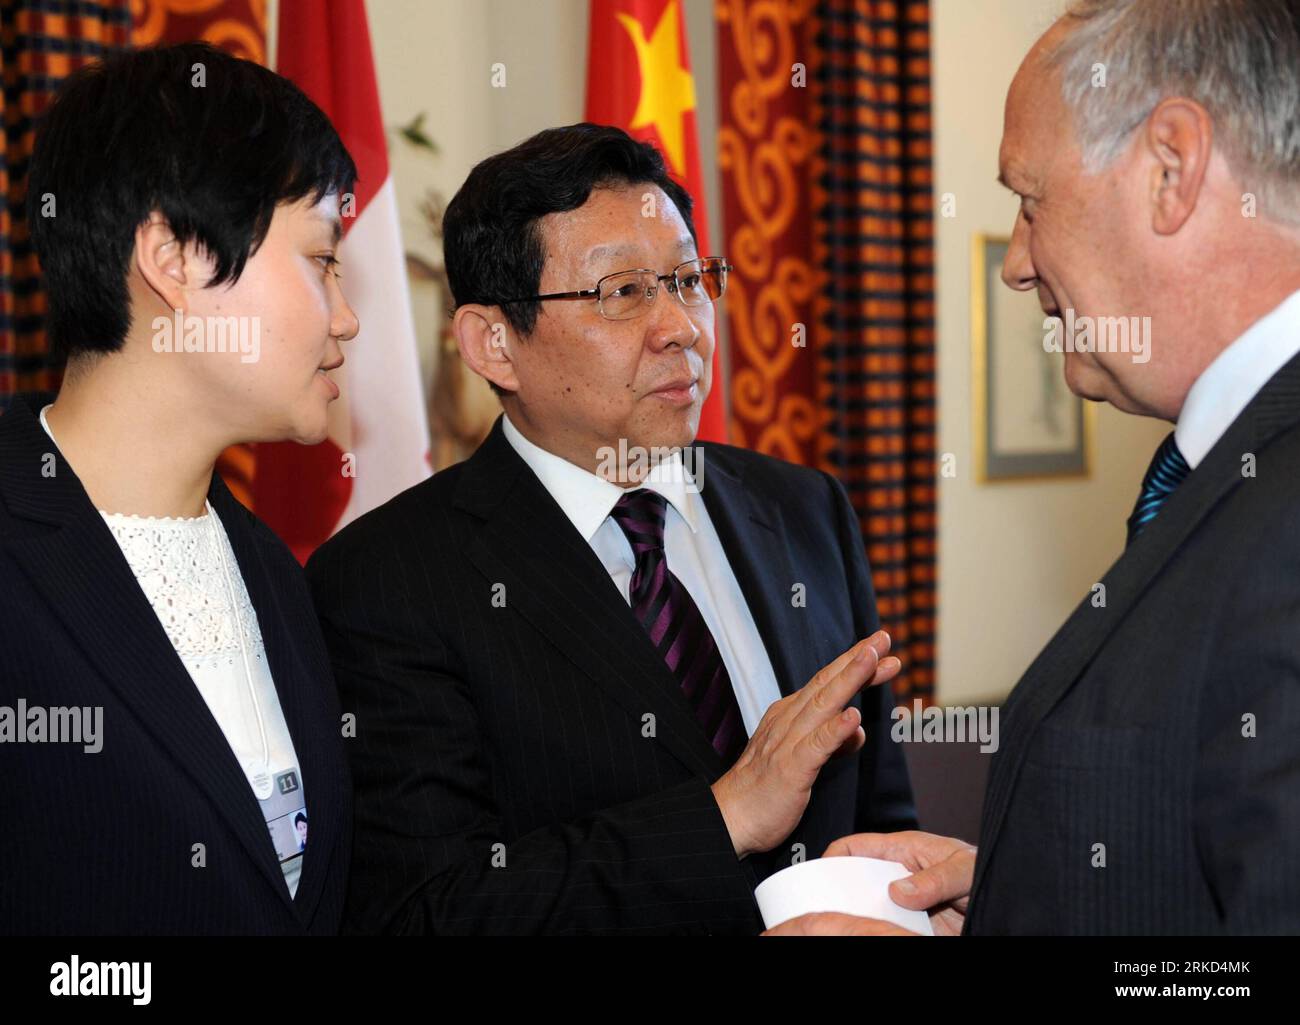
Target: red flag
(379,435)
(639,79)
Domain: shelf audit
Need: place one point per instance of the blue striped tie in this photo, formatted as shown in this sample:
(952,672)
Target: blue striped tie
(665,608)
(1168,469)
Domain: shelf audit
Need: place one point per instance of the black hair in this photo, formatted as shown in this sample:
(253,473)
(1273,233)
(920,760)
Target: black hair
(212,142)
(491,244)
(300,817)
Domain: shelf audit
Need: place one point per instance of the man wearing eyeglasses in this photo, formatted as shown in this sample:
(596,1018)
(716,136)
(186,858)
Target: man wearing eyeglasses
(596,685)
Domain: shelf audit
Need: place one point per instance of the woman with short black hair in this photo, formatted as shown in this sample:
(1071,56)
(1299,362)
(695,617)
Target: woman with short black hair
(185,206)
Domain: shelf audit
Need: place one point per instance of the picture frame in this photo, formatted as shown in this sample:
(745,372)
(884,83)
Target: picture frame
(1027,423)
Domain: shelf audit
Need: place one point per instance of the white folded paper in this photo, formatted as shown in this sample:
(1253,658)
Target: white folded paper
(854,886)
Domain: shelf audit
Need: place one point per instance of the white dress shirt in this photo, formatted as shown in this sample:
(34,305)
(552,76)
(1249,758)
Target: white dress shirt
(694,553)
(1237,374)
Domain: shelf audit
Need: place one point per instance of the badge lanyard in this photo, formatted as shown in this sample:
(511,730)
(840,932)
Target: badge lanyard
(259,776)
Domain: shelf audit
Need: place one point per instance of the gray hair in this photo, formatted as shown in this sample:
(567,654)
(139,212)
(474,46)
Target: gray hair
(1240,59)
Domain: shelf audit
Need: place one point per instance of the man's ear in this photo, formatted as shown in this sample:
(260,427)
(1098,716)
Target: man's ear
(1180,136)
(163,263)
(484,339)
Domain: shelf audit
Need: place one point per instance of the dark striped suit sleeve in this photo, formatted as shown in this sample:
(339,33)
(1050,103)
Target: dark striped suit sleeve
(1247,791)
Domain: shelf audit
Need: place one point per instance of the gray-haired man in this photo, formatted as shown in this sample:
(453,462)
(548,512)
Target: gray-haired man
(1149,775)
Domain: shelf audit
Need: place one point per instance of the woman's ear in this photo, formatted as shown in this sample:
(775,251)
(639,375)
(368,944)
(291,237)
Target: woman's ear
(484,339)
(163,263)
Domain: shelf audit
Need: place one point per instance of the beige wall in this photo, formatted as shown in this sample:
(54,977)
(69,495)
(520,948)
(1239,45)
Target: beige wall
(437,56)
(1015,558)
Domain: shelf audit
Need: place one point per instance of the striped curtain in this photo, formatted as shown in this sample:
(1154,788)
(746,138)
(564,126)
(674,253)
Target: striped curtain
(825,153)
(41,43)
(875,241)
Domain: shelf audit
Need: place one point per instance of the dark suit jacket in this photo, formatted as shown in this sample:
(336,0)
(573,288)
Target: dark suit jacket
(103,843)
(1128,731)
(504,781)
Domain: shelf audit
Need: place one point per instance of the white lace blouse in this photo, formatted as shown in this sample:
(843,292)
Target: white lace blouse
(187,569)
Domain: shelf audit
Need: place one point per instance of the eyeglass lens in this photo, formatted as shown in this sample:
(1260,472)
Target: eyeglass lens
(698,283)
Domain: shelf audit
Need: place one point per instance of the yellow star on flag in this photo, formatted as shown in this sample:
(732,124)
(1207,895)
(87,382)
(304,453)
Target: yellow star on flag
(667,88)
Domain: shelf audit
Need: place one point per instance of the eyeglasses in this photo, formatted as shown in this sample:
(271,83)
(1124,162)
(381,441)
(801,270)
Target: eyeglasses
(629,293)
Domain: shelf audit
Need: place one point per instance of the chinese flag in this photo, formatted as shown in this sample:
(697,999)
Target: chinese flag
(639,78)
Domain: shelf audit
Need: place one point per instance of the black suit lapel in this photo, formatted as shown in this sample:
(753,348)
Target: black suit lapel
(754,539)
(554,580)
(80,571)
(1068,654)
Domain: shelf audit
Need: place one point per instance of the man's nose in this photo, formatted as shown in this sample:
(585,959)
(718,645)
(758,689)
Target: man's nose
(670,320)
(1017,268)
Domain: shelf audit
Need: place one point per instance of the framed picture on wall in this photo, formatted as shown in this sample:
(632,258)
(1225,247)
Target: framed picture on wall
(1028,424)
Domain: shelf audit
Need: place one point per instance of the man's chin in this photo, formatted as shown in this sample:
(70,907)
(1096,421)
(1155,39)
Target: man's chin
(1085,381)
(670,428)
(657,440)
(683,434)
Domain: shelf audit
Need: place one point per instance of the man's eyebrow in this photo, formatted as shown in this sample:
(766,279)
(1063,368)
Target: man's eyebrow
(610,250)
(685,242)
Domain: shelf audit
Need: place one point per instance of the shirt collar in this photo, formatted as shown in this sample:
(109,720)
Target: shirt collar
(1228,384)
(586,498)
(669,478)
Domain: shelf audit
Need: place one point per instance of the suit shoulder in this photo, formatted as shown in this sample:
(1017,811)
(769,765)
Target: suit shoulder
(759,468)
(431,497)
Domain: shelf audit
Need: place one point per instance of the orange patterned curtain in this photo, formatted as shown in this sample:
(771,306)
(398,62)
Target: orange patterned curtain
(40,45)
(825,153)
(237,26)
(768,153)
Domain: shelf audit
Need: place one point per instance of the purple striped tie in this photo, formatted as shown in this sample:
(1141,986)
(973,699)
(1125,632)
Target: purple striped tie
(664,607)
